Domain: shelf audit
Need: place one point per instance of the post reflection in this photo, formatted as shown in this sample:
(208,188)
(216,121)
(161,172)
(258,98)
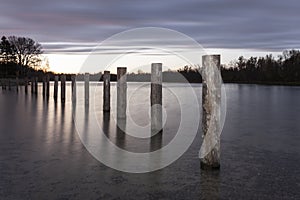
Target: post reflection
(120,139)
(105,124)
(45,112)
(62,125)
(210,184)
(86,122)
(156,141)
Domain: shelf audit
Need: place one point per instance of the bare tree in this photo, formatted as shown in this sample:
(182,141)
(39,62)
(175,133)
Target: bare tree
(27,51)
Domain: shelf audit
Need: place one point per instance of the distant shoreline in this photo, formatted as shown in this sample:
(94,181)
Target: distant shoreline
(21,82)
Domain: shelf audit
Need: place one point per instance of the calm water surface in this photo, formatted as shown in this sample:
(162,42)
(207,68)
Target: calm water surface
(42,157)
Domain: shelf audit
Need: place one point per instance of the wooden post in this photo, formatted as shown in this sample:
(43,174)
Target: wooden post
(63,87)
(32,85)
(17,84)
(86,87)
(106,91)
(156,98)
(121,92)
(55,87)
(26,85)
(73,78)
(3,84)
(47,85)
(36,85)
(211,108)
(44,86)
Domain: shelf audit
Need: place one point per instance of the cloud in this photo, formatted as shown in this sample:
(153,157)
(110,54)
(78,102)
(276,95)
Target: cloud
(258,24)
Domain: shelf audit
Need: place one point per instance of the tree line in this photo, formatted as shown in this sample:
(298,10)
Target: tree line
(285,69)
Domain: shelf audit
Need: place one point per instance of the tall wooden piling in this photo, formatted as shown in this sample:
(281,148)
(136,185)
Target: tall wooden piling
(17,84)
(87,88)
(55,87)
(26,84)
(3,84)
(73,78)
(121,92)
(36,85)
(211,109)
(47,85)
(63,87)
(106,91)
(156,97)
(32,84)
(44,86)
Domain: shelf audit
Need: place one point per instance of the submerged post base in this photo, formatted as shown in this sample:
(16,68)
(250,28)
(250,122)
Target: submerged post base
(213,166)
(212,160)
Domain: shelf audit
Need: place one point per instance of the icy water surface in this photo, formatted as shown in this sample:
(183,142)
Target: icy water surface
(42,156)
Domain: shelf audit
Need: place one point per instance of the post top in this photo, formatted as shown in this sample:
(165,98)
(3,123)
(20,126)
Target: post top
(212,55)
(156,63)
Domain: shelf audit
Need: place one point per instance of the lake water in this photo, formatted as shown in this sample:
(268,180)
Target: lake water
(42,155)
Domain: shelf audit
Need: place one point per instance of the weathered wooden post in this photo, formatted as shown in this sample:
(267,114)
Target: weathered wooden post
(211,108)
(32,85)
(106,91)
(63,87)
(36,85)
(44,86)
(156,98)
(47,85)
(87,88)
(121,92)
(3,84)
(17,84)
(55,87)
(73,78)
(26,84)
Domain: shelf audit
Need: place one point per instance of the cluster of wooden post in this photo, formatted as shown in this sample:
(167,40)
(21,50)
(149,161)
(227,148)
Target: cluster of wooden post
(211,100)
(155,96)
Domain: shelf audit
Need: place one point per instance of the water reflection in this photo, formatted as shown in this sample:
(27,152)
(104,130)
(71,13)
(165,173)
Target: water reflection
(62,122)
(120,139)
(106,124)
(210,184)
(86,122)
(156,141)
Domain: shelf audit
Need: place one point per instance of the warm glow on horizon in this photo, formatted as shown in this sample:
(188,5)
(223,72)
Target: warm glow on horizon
(72,63)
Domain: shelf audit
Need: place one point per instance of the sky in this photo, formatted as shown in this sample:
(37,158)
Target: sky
(70,29)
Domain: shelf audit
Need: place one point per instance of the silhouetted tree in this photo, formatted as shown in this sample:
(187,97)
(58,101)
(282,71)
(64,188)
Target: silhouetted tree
(26,50)
(20,53)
